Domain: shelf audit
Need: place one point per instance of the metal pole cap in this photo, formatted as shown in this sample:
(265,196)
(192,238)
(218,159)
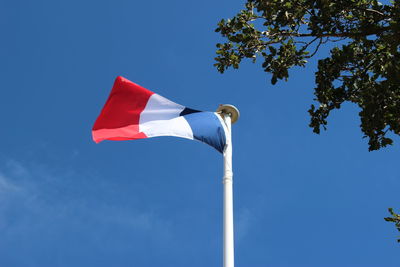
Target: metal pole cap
(230,110)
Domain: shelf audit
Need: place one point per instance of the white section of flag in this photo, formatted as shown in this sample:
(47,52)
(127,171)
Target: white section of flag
(178,127)
(161,117)
(159,108)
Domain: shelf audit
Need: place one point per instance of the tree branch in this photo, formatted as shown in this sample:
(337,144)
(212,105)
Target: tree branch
(316,49)
(339,35)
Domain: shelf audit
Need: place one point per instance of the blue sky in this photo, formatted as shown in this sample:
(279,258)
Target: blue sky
(300,199)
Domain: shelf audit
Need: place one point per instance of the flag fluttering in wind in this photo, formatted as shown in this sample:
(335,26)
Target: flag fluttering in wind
(133,112)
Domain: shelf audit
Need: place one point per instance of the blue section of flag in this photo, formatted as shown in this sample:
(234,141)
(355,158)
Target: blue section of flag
(207,128)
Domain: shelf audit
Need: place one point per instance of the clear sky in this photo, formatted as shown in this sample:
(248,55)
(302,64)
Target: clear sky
(300,199)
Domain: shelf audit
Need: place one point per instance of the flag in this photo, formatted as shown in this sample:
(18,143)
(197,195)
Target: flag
(133,112)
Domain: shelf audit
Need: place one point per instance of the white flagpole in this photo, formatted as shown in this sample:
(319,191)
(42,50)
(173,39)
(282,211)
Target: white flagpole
(230,114)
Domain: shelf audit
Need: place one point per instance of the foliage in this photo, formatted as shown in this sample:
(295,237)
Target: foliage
(362,68)
(395,218)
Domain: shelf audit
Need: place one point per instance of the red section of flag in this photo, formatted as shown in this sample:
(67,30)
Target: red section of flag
(119,118)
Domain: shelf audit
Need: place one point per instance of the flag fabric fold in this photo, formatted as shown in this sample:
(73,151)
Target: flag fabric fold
(133,112)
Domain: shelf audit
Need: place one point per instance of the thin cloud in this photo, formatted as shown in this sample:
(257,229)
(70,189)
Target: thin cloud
(40,198)
(6,186)
(244,222)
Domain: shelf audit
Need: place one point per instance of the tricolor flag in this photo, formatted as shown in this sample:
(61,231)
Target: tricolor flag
(133,112)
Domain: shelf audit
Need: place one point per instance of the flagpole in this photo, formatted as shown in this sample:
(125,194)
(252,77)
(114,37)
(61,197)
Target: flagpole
(230,114)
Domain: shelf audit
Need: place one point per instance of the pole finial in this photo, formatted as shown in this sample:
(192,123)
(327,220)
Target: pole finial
(231,110)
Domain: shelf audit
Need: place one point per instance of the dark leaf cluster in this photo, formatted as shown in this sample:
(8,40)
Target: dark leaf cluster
(395,218)
(363,67)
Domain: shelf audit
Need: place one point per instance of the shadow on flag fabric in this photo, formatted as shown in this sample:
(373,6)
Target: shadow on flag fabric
(133,112)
